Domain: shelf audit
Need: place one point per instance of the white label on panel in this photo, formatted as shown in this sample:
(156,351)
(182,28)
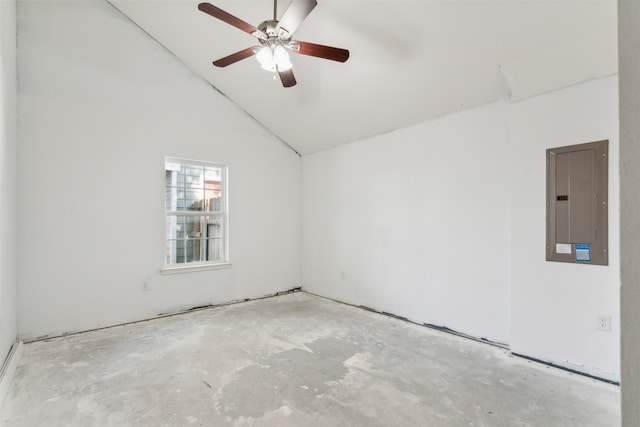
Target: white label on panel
(563,248)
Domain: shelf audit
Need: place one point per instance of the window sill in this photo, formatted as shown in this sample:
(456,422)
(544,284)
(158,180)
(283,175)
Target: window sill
(194,268)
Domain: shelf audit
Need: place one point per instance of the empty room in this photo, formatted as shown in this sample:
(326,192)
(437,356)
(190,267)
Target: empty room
(319,213)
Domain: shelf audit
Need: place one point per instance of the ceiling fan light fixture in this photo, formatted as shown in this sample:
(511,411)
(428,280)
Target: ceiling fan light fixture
(272,58)
(266,59)
(281,58)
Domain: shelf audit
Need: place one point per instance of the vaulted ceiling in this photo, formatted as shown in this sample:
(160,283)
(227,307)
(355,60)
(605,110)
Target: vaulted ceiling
(410,60)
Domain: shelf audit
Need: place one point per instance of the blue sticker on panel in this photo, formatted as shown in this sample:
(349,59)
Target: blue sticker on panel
(583,252)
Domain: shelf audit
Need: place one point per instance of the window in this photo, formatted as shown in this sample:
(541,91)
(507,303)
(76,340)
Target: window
(196,213)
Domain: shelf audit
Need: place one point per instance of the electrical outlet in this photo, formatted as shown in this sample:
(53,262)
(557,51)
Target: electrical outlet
(604,322)
(144,285)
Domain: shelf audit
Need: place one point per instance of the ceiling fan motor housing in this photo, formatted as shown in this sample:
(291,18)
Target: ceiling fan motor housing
(275,34)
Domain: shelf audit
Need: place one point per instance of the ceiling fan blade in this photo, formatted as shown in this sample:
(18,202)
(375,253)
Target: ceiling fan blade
(287,77)
(319,50)
(232,20)
(238,56)
(293,16)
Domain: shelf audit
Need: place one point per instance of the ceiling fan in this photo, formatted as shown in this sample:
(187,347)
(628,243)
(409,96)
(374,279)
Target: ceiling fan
(275,40)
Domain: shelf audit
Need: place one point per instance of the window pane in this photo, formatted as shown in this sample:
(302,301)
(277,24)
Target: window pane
(215,240)
(194,238)
(194,200)
(170,252)
(194,176)
(193,226)
(214,204)
(180,232)
(215,250)
(174,199)
(193,251)
(212,173)
(175,227)
(214,226)
(180,203)
(181,251)
(213,189)
(180,200)
(180,176)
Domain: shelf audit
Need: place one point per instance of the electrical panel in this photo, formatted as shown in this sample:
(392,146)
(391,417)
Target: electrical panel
(577,203)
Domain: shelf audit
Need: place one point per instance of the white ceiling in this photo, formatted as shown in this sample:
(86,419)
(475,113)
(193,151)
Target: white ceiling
(410,60)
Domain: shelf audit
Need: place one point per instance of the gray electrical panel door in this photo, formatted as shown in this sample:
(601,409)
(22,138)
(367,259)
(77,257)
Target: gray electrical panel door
(577,204)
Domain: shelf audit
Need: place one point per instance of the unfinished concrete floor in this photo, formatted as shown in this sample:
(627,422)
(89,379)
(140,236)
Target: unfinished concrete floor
(292,360)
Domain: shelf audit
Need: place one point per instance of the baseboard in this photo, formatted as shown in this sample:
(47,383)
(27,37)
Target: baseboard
(172,312)
(9,369)
(567,369)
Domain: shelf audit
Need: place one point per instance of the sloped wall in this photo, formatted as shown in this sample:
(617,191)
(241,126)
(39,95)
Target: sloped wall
(100,106)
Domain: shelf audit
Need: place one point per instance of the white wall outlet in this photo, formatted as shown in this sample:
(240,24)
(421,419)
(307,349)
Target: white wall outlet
(144,285)
(343,274)
(604,322)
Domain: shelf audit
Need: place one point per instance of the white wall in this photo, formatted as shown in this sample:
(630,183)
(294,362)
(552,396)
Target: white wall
(554,306)
(629,53)
(418,222)
(8,148)
(444,223)
(100,105)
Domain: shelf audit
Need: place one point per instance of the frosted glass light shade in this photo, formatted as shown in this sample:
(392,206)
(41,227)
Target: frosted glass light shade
(281,58)
(266,59)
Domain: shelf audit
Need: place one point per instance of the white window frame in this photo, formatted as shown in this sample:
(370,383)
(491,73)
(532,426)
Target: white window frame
(223,213)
